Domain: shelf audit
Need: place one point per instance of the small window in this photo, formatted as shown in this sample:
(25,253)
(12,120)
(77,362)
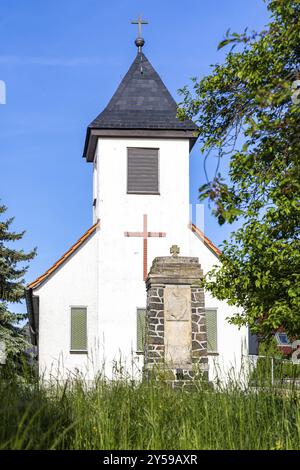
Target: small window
(140,329)
(78,329)
(282,339)
(212,330)
(142,171)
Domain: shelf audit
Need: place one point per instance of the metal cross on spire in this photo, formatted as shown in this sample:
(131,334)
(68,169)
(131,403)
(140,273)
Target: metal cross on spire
(139,42)
(139,22)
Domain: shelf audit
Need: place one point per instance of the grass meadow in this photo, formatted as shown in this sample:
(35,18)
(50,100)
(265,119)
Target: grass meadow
(127,415)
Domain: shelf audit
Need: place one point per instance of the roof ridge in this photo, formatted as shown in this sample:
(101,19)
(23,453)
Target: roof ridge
(65,256)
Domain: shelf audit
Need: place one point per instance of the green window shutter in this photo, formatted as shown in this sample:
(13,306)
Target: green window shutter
(212,330)
(140,329)
(78,329)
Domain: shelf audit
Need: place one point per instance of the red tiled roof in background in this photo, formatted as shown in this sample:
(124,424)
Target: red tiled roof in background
(64,257)
(206,240)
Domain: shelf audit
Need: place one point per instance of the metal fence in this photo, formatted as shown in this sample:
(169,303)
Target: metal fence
(272,370)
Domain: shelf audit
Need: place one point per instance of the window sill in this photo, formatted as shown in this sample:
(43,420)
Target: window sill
(212,353)
(143,193)
(139,353)
(78,352)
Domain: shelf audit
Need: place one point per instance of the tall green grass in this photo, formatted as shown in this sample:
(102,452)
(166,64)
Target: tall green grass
(127,415)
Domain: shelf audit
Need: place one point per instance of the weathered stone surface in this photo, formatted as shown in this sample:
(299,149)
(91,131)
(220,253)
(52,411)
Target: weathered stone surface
(177,302)
(160,314)
(178,343)
(153,320)
(195,318)
(155,306)
(200,337)
(155,300)
(156,339)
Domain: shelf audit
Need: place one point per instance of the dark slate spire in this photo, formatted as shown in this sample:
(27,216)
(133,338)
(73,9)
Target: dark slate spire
(141,102)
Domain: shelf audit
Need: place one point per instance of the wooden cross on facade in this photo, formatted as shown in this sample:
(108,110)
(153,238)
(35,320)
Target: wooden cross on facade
(145,235)
(139,22)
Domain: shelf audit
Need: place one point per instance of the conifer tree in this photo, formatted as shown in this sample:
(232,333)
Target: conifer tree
(13,266)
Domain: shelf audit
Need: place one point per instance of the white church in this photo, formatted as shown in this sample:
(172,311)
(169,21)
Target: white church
(87,310)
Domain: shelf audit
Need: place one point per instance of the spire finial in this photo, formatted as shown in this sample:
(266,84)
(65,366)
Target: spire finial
(139,42)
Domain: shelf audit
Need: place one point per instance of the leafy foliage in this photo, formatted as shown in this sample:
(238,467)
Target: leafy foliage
(12,270)
(248,109)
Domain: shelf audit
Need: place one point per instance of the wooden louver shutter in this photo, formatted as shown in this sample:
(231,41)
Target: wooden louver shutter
(142,171)
(78,329)
(212,331)
(140,329)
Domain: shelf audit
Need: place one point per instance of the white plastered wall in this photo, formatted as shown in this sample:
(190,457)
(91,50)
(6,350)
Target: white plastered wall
(74,283)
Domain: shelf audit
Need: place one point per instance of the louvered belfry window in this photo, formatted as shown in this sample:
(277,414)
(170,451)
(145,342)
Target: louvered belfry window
(78,329)
(142,171)
(140,329)
(212,330)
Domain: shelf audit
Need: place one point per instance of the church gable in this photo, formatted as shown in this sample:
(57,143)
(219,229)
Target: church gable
(38,282)
(69,284)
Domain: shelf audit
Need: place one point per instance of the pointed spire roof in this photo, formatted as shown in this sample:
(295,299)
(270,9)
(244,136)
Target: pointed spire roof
(141,102)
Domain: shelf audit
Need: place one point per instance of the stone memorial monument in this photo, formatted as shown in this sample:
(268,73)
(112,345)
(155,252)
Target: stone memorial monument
(175,339)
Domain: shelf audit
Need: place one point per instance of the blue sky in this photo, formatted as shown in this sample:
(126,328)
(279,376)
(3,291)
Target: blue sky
(61,62)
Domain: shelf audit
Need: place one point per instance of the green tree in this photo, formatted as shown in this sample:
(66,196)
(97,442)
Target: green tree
(13,266)
(248,110)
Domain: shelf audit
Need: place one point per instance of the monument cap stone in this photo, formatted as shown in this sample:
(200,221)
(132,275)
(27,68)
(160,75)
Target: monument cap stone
(175,270)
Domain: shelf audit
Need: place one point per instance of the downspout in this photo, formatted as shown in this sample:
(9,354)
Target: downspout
(31,316)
